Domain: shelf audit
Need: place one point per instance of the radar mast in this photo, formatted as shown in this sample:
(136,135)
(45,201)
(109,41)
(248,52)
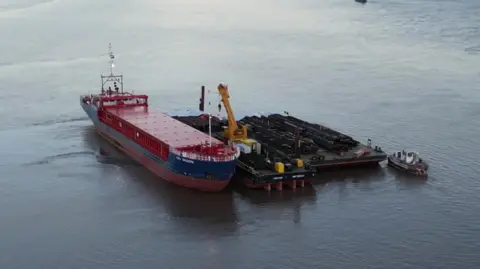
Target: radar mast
(112,78)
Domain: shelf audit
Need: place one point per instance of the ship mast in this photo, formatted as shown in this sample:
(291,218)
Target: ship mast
(112,58)
(112,78)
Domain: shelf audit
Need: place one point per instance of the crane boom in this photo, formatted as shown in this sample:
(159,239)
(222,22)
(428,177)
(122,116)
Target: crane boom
(232,132)
(232,123)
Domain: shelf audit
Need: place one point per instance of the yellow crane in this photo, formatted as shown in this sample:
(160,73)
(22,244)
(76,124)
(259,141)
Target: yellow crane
(233,131)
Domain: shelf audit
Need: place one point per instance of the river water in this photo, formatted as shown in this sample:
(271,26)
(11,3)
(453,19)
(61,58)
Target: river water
(403,73)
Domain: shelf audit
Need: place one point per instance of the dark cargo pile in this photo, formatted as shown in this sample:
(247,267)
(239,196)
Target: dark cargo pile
(281,132)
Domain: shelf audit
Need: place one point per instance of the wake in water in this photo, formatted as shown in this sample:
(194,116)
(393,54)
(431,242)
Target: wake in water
(55,62)
(59,121)
(473,49)
(52,158)
(101,156)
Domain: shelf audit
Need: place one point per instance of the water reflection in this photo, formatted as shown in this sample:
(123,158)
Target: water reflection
(278,198)
(365,179)
(361,177)
(407,181)
(287,203)
(195,211)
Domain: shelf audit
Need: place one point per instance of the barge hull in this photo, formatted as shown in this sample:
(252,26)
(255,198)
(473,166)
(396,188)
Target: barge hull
(293,184)
(347,163)
(162,170)
(264,176)
(255,179)
(151,162)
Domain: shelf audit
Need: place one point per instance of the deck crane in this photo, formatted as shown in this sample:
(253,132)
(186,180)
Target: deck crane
(233,131)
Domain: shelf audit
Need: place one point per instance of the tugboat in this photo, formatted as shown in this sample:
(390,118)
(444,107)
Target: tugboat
(408,161)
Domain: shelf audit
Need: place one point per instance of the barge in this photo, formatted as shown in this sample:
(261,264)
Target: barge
(319,146)
(172,150)
(279,150)
(263,168)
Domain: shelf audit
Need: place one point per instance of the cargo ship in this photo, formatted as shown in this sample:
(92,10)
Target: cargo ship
(172,150)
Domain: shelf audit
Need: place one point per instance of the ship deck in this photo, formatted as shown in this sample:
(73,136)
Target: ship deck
(163,127)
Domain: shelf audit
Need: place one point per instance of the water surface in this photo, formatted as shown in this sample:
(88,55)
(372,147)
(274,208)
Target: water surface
(403,74)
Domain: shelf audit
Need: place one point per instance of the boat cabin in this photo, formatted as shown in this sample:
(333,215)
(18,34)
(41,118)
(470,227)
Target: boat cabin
(408,157)
(121,100)
(116,97)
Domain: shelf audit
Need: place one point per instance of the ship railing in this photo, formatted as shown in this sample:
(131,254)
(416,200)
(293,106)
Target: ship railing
(192,155)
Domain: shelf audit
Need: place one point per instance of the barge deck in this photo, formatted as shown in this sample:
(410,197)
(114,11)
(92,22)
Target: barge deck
(319,146)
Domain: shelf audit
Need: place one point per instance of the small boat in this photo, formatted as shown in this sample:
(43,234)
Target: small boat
(408,161)
(361,1)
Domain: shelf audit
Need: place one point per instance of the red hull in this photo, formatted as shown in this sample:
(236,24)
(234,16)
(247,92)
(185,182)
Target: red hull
(168,175)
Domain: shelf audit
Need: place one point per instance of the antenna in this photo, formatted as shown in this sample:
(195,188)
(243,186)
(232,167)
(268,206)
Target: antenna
(112,78)
(210,130)
(112,58)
